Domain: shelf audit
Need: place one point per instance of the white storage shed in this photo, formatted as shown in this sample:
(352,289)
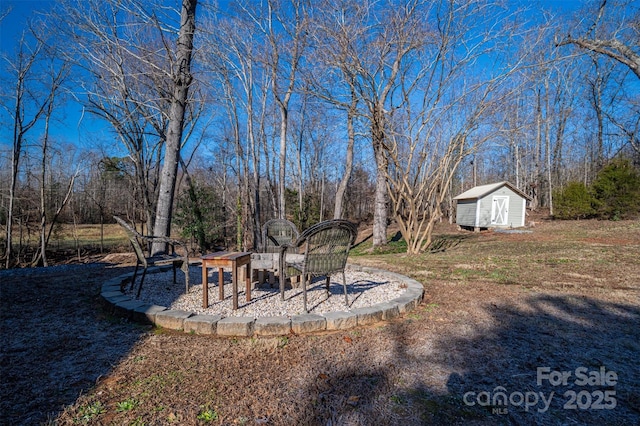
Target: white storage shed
(496,205)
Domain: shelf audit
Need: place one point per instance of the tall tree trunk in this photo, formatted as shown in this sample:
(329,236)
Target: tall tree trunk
(15,160)
(43,178)
(380,210)
(282,98)
(181,81)
(257,235)
(283,162)
(270,175)
(21,126)
(537,174)
(547,137)
(348,165)
(302,218)
(322,196)
(381,202)
(242,177)
(255,155)
(596,99)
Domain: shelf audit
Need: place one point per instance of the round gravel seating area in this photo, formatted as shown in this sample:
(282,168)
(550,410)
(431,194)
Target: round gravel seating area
(374,295)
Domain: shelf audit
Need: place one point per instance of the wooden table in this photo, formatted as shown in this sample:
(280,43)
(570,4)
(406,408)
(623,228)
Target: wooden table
(225,259)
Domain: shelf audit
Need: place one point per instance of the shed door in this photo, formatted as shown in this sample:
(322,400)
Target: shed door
(499,210)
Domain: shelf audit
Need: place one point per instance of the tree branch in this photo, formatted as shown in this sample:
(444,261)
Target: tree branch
(611,48)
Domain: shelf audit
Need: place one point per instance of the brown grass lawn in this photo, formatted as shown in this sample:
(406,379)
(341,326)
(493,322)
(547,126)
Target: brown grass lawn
(68,242)
(498,307)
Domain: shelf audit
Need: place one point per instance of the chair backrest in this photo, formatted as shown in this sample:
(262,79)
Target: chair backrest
(327,245)
(134,237)
(277,232)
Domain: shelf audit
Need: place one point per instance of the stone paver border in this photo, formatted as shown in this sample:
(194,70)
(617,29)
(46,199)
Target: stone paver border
(125,306)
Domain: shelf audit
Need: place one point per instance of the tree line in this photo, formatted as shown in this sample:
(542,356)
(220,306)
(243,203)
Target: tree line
(220,116)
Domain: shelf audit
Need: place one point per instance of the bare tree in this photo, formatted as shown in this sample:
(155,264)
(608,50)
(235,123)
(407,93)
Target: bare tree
(181,78)
(139,82)
(57,76)
(335,27)
(284,24)
(27,109)
(614,33)
(630,131)
(597,84)
(117,81)
(617,37)
(240,81)
(378,54)
(448,110)
(395,44)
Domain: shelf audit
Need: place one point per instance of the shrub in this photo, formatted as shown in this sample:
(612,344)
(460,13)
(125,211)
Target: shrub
(616,191)
(200,215)
(574,201)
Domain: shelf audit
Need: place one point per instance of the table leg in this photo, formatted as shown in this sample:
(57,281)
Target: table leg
(234,280)
(205,285)
(281,277)
(220,284)
(248,282)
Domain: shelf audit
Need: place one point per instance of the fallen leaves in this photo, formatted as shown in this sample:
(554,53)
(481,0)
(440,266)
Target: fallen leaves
(353,400)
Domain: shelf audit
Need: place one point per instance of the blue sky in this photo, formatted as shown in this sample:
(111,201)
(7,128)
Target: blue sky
(76,128)
(12,25)
(81,129)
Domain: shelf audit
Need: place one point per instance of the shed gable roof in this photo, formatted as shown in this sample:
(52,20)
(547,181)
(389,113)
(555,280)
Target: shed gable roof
(480,191)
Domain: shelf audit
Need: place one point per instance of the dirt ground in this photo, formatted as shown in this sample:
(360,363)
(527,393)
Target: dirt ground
(516,328)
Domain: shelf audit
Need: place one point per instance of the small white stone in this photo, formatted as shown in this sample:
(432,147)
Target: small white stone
(363,289)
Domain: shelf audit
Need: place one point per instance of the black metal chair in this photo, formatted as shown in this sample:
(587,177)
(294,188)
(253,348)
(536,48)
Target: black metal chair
(322,251)
(172,258)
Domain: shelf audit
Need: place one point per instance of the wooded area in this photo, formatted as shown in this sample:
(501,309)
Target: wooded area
(216,118)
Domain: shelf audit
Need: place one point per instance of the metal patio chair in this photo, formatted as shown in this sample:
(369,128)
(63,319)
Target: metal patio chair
(172,258)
